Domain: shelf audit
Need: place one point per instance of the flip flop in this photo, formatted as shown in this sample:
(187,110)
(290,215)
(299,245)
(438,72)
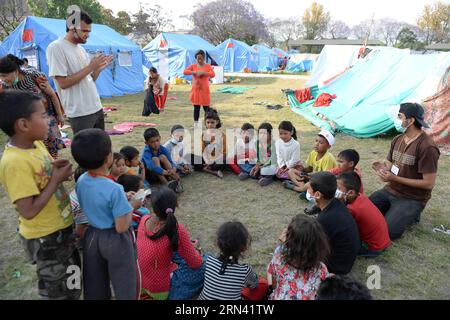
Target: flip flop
(442,229)
(220,174)
(288,185)
(173,185)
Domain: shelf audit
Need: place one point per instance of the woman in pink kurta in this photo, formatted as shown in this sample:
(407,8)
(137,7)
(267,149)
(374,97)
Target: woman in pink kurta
(201,73)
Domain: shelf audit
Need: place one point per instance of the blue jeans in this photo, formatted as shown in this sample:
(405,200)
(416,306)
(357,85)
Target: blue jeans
(398,212)
(246,167)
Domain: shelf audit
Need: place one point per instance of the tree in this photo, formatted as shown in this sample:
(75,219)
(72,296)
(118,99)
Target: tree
(315,21)
(281,31)
(58,9)
(121,23)
(11,14)
(363,30)
(387,30)
(338,30)
(148,22)
(220,20)
(407,39)
(435,22)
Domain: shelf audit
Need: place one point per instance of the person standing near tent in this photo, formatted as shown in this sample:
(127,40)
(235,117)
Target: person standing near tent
(201,73)
(14,77)
(410,171)
(156,90)
(75,75)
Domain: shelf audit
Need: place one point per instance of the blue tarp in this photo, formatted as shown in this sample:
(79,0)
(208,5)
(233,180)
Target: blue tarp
(301,66)
(236,55)
(371,88)
(268,60)
(115,80)
(178,51)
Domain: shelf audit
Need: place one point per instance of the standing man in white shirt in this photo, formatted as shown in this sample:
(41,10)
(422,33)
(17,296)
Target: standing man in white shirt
(75,74)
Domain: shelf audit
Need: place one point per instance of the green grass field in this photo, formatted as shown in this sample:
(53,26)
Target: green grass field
(416,267)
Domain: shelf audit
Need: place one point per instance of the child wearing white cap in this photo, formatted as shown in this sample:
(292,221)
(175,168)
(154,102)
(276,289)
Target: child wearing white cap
(319,159)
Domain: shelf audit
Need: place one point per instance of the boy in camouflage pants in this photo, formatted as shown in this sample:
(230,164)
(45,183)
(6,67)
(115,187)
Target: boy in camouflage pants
(33,182)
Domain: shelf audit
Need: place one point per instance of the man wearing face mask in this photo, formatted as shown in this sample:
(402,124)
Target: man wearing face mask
(410,171)
(75,74)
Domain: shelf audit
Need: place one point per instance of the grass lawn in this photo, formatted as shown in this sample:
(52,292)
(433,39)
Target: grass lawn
(416,267)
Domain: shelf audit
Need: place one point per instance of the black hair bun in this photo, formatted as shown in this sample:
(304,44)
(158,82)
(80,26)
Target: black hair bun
(15,59)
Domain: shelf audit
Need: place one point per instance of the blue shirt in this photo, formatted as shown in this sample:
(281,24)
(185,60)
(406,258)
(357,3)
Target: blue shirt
(102,200)
(148,154)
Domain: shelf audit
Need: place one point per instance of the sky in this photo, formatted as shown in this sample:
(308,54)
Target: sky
(349,11)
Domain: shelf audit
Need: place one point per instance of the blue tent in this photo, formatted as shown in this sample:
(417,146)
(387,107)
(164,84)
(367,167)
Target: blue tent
(268,60)
(280,54)
(236,55)
(123,76)
(301,66)
(171,53)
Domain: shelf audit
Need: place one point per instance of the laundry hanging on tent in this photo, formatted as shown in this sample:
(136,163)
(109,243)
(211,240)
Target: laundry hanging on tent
(235,90)
(303,95)
(324,100)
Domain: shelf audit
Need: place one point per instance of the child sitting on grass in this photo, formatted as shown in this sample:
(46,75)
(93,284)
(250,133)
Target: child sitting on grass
(214,147)
(297,267)
(336,221)
(266,165)
(347,160)
(176,148)
(245,151)
(158,161)
(33,182)
(109,253)
(225,277)
(320,159)
(134,166)
(159,239)
(372,226)
(131,185)
(343,288)
(288,149)
(118,167)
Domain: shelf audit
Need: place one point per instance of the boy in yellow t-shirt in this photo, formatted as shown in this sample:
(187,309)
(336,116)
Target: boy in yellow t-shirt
(33,182)
(319,159)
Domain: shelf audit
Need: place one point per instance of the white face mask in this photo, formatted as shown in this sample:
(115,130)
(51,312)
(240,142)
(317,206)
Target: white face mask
(398,123)
(175,141)
(310,197)
(339,194)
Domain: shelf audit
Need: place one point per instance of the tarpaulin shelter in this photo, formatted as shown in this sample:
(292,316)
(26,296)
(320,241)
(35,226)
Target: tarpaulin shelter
(235,56)
(171,53)
(123,76)
(367,91)
(437,114)
(267,59)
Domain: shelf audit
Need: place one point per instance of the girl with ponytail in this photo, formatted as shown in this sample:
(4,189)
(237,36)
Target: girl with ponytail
(287,148)
(161,240)
(13,77)
(225,277)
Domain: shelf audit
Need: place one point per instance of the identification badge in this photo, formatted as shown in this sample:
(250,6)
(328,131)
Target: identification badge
(395,169)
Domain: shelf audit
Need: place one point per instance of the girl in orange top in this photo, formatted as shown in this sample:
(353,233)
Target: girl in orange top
(201,73)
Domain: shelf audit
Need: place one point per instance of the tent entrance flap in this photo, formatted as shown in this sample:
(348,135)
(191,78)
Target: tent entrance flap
(163,58)
(31,54)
